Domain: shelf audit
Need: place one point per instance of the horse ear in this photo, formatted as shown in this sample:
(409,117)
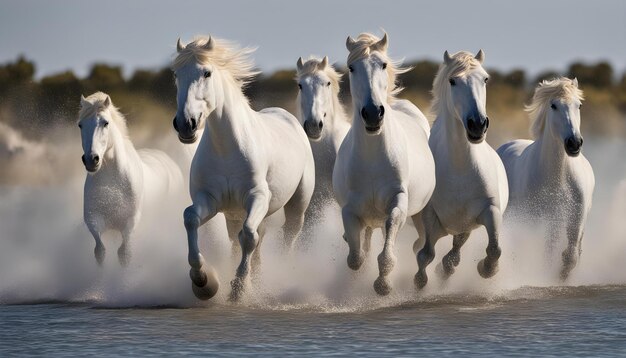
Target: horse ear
(480,56)
(179,45)
(300,64)
(209,44)
(350,43)
(446,57)
(83,101)
(107,102)
(323,64)
(575,82)
(382,44)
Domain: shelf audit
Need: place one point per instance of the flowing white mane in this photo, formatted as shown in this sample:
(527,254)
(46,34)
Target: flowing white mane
(363,48)
(95,104)
(461,64)
(561,88)
(224,54)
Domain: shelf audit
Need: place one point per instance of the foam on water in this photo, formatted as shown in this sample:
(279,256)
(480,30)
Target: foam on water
(46,254)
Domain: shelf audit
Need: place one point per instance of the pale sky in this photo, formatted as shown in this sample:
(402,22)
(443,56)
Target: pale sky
(532,34)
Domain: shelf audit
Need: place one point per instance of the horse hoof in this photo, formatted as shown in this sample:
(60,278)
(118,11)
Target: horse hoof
(123,257)
(382,286)
(444,271)
(420,280)
(487,271)
(355,261)
(237,288)
(99,254)
(203,285)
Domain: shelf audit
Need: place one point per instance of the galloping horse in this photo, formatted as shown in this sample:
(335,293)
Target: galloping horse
(471,189)
(248,164)
(384,169)
(549,178)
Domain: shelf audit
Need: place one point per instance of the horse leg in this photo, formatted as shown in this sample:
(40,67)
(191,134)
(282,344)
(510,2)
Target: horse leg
(256,255)
(386,259)
(367,240)
(453,257)
(233,227)
(572,251)
(256,204)
(99,251)
(123,252)
(204,281)
(295,210)
(433,231)
(421,232)
(491,218)
(353,226)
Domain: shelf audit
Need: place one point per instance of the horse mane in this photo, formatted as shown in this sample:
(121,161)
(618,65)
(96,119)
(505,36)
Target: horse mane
(362,49)
(225,54)
(94,104)
(461,64)
(561,88)
(311,66)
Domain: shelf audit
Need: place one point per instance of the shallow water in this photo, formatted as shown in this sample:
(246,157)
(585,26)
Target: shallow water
(571,321)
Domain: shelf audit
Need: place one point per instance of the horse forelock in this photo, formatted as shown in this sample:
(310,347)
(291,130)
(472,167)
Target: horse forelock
(95,104)
(561,88)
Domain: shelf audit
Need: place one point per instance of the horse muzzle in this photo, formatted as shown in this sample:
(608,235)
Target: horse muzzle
(313,129)
(573,145)
(373,117)
(93,164)
(187,133)
(477,129)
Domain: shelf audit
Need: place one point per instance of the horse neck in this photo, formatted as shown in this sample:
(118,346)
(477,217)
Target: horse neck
(118,155)
(455,138)
(229,126)
(552,158)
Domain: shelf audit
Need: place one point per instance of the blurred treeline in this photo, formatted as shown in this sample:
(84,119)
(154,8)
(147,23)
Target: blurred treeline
(148,97)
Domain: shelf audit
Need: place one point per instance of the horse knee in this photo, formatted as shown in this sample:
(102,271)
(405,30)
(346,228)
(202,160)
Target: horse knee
(248,238)
(191,219)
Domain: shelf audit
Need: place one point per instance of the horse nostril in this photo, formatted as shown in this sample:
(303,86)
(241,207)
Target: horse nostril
(363,113)
(175,125)
(381,112)
(581,141)
(193,123)
(82,157)
(321,125)
(486,122)
(96,159)
(324,114)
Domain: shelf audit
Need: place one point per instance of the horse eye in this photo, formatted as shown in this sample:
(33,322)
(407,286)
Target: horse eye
(328,84)
(105,124)
(299,86)
(486,79)
(580,106)
(207,74)
(80,125)
(384,65)
(452,82)
(553,106)
(351,68)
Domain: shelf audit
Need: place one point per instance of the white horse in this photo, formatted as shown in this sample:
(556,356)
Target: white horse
(384,169)
(119,177)
(549,178)
(472,189)
(248,164)
(325,123)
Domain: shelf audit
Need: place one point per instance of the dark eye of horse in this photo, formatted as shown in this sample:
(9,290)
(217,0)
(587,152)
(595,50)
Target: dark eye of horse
(207,74)
(105,124)
(299,86)
(384,65)
(486,79)
(580,106)
(351,68)
(328,84)
(452,82)
(553,106)
(80,125)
